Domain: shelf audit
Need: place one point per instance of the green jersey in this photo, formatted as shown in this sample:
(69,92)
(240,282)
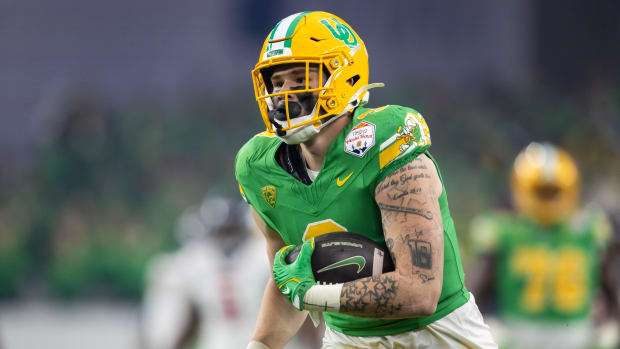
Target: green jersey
(543,273)
(341,198)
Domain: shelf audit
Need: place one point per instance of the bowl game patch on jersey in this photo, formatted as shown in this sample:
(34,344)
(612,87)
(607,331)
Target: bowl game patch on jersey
(360,139)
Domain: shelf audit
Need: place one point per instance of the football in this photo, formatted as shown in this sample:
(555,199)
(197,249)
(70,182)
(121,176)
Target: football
(344,256)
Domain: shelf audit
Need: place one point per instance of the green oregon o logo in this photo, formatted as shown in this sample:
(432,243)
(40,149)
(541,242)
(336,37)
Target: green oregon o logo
(341,32)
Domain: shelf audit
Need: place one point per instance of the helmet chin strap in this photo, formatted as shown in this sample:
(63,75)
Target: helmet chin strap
(306,132)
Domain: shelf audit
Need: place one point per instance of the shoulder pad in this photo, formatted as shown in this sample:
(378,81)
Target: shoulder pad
(250,155)
(254,149)
(485,231)
(594,220)
(400,131)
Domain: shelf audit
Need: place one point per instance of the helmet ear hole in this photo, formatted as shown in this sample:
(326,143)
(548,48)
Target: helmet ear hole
(353,80)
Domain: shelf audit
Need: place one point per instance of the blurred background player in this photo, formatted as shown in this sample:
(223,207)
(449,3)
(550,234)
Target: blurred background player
(194,295)
(544,264)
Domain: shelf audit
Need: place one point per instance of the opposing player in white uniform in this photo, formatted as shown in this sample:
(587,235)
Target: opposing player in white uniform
(192,294)
(209,291)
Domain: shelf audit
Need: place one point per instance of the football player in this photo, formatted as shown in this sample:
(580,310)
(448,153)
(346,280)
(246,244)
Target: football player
(326,163)
(208,291)
(542,263)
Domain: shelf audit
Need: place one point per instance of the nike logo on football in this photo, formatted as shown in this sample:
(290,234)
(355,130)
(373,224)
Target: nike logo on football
(340,183)
(355,260)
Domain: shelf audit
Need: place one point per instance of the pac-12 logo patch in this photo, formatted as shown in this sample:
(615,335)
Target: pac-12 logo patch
(269,194)
(360,139)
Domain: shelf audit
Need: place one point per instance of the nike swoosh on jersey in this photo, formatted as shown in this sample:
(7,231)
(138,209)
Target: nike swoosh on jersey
(340,183)
(286,291)
(356,260)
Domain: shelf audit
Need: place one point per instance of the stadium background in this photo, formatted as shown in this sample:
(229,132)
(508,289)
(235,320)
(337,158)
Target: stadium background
(116,115)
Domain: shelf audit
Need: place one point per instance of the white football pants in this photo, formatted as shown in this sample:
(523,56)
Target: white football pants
(463,328)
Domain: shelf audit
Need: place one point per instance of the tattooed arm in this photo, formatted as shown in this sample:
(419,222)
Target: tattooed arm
(408,200)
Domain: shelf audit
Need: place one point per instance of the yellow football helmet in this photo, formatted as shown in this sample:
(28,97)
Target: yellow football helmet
(312,39)
(545,183)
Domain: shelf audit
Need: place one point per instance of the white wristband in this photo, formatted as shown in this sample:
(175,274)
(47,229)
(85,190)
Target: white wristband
(323,298)
(257,345)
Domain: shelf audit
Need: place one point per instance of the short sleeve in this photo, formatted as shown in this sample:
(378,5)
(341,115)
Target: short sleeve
(403,136)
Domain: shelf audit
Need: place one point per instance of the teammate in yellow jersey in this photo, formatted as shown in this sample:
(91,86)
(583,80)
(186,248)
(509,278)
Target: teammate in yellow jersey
(542,264)
(327,164)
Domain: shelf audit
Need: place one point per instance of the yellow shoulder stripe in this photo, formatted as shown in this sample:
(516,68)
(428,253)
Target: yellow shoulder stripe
(390,153)
(372,111)
(405,139)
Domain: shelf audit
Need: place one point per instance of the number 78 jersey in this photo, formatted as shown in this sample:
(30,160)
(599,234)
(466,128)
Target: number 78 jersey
(376,143)
(544,273)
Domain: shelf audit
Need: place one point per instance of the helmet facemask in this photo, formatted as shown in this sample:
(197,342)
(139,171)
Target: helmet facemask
(297,119)
(298,105)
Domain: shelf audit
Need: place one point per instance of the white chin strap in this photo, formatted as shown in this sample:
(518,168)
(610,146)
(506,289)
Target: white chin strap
(306,132)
